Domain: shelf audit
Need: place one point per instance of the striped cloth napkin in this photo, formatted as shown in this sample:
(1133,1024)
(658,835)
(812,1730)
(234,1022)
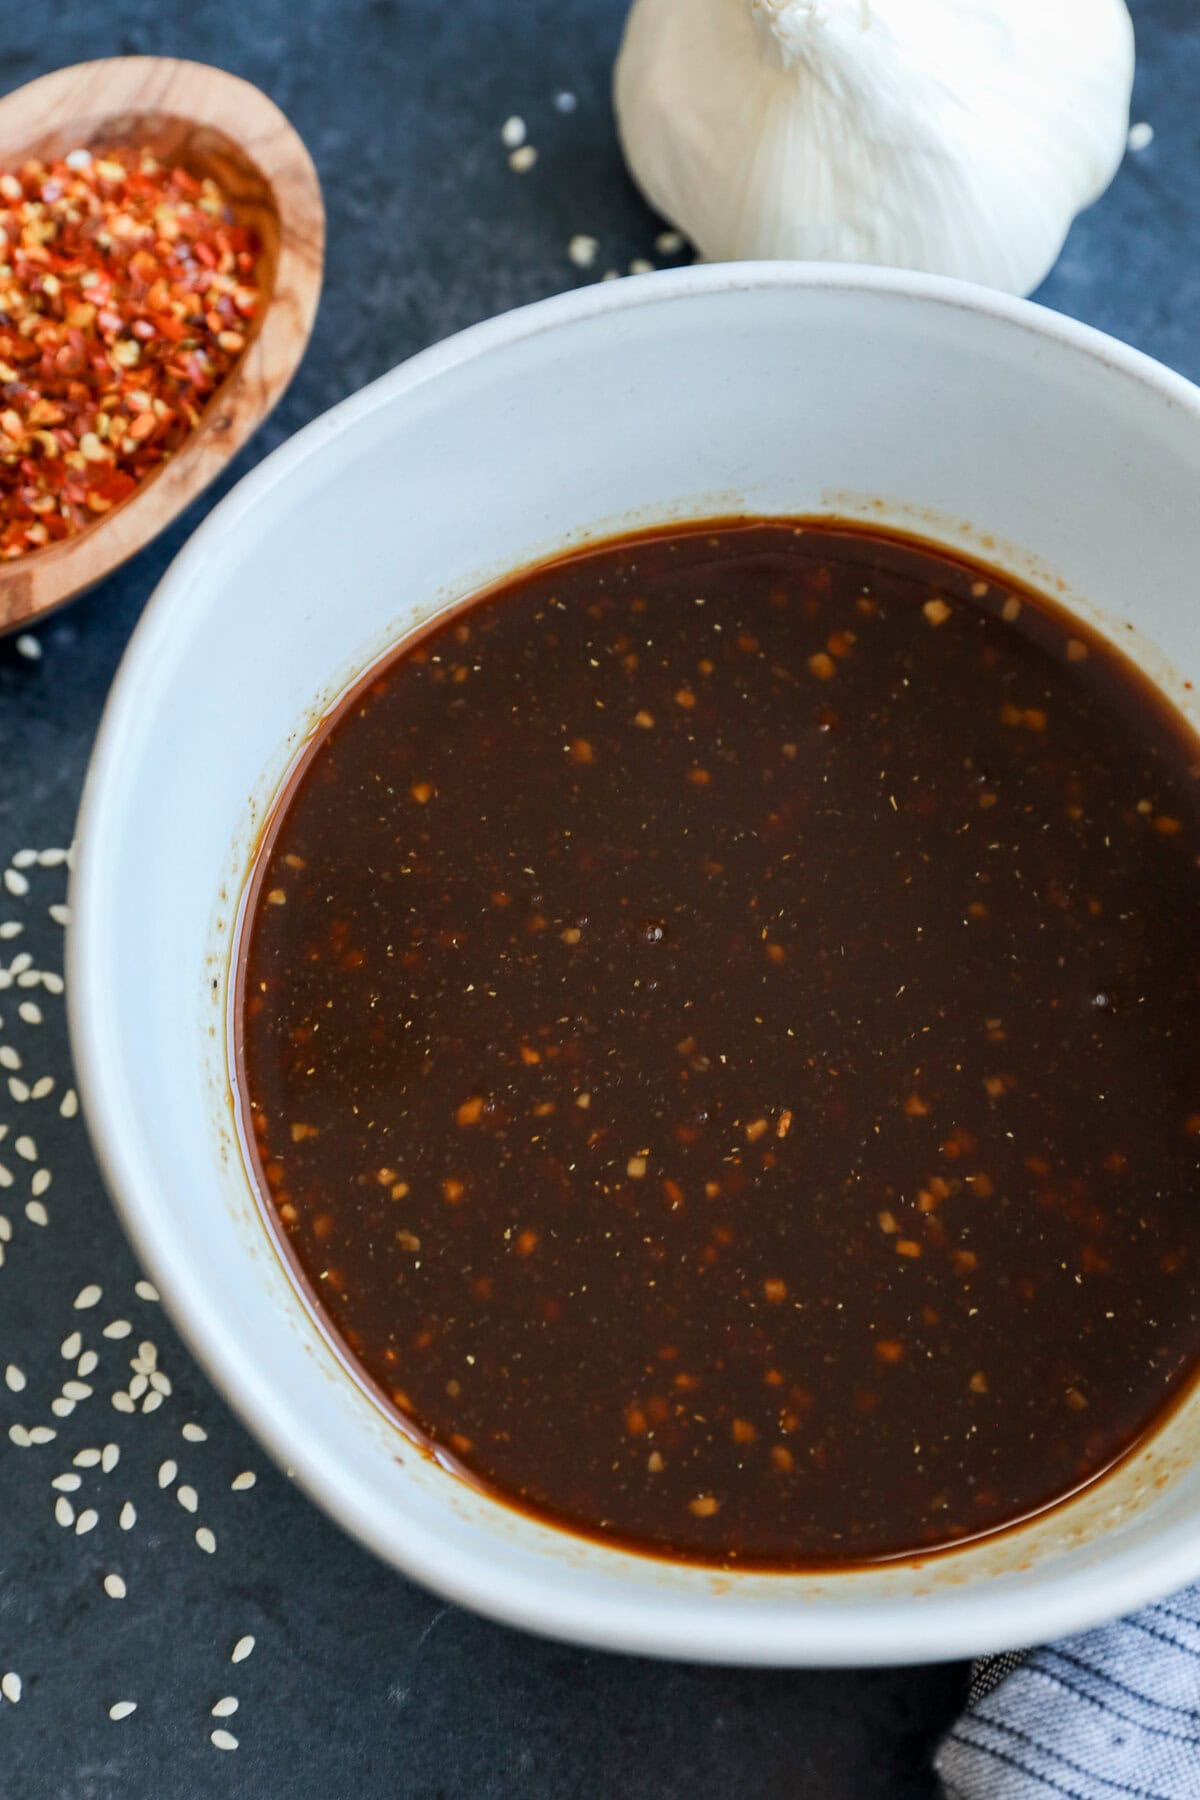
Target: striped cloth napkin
(1111,1715)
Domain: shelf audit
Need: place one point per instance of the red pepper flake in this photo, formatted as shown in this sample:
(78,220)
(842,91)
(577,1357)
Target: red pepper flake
(126,288)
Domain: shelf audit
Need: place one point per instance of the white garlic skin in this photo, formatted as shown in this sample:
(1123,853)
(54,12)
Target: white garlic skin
(959,137)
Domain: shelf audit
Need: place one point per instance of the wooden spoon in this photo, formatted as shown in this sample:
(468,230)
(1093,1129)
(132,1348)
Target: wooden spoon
(213,124)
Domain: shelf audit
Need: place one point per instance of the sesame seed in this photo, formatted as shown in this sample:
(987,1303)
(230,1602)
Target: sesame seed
(89,1296)
(114,1587)
(206,1540)
(71,1346)
(61,1407)
(77,1390)
(70,1104)
(128,1517)
(36,1213)
(188,1497)
(160,1382)
(40,1182)
(122,1402)
(640,266)
(19,1436)
(195,1434)
(87,1364)
(25,859)
(117,1328)
(1141,136)
(41,1434)
(121,1709)
(87,1521)
(5,1230)
(520,162)
(10,1058)
(52,983)
(224,1740)
(68,1483)
(512,132)
(145,1290)
(242,1649)
(669,243)
(14,1378)
(27,645)
(30,1012)
(148,1354)
(225,1708)
(15,882)
(110,1456)
(25,1148)
(86,1459)
(64,1512)
(10,1686)
(582,250)
(60,913)
(138,1386)
(152,1402)
(18,1089)
(167,1471)
(242,1483)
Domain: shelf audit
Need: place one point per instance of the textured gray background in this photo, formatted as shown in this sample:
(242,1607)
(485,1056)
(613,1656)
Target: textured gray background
(361,1684)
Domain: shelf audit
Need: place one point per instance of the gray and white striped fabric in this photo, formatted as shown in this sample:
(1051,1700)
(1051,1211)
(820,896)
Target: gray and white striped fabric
(1111,1715)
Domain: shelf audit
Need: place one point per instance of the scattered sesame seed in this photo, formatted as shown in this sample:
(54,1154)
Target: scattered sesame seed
(14,1378)
(15,882)
(242,1649)
(114,1587)
(64,1512)
(148,1354)
(195,1434)
(18,1089)
(145,1290)
(60,913)
(43,1086)
(27,645)
(25,859)
(36,1213)
(89,1296)
(152,1402)
(10,1058)
(86,1459)
(206,1540)
(68,1483)
(87,1521)
(128,1517)
(121,1709)
(512,132)
(167,1471)
(160,1382)
(10,1686)
(29,1012)
(117,1328)
(53,984)
(26,1149)
(242,1483)
(224,1740)
(188,1497)
(520,162)
(11,928)
(669,243)
(40,1182)
(70,1104)
(41,1434)
(583,250)
(61,1407)
(110,1456)
(225,1708)
(138,1386)
(71,1346)
(87,1364)
(1141,136)
(19,1436)
(641,266)
(122,1402)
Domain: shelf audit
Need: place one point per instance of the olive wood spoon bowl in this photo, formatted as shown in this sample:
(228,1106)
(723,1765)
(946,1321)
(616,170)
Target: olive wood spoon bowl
(213,124)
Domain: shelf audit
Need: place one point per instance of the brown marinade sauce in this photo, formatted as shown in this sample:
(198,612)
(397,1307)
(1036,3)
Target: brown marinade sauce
(719,1028)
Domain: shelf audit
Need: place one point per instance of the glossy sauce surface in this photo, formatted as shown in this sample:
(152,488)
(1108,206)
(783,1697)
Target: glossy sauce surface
(720,1035)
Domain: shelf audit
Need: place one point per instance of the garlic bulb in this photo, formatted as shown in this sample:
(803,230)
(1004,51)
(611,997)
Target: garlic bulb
(957,136)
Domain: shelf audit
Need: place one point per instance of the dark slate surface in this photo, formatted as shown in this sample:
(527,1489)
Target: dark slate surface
(361,1684)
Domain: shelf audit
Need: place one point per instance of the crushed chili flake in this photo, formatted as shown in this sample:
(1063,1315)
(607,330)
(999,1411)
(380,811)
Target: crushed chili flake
(127,289)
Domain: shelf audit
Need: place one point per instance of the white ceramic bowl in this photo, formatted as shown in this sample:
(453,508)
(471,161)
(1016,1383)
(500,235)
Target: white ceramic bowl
(984,422)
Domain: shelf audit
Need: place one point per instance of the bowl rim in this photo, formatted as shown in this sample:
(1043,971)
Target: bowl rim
(955,1622)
